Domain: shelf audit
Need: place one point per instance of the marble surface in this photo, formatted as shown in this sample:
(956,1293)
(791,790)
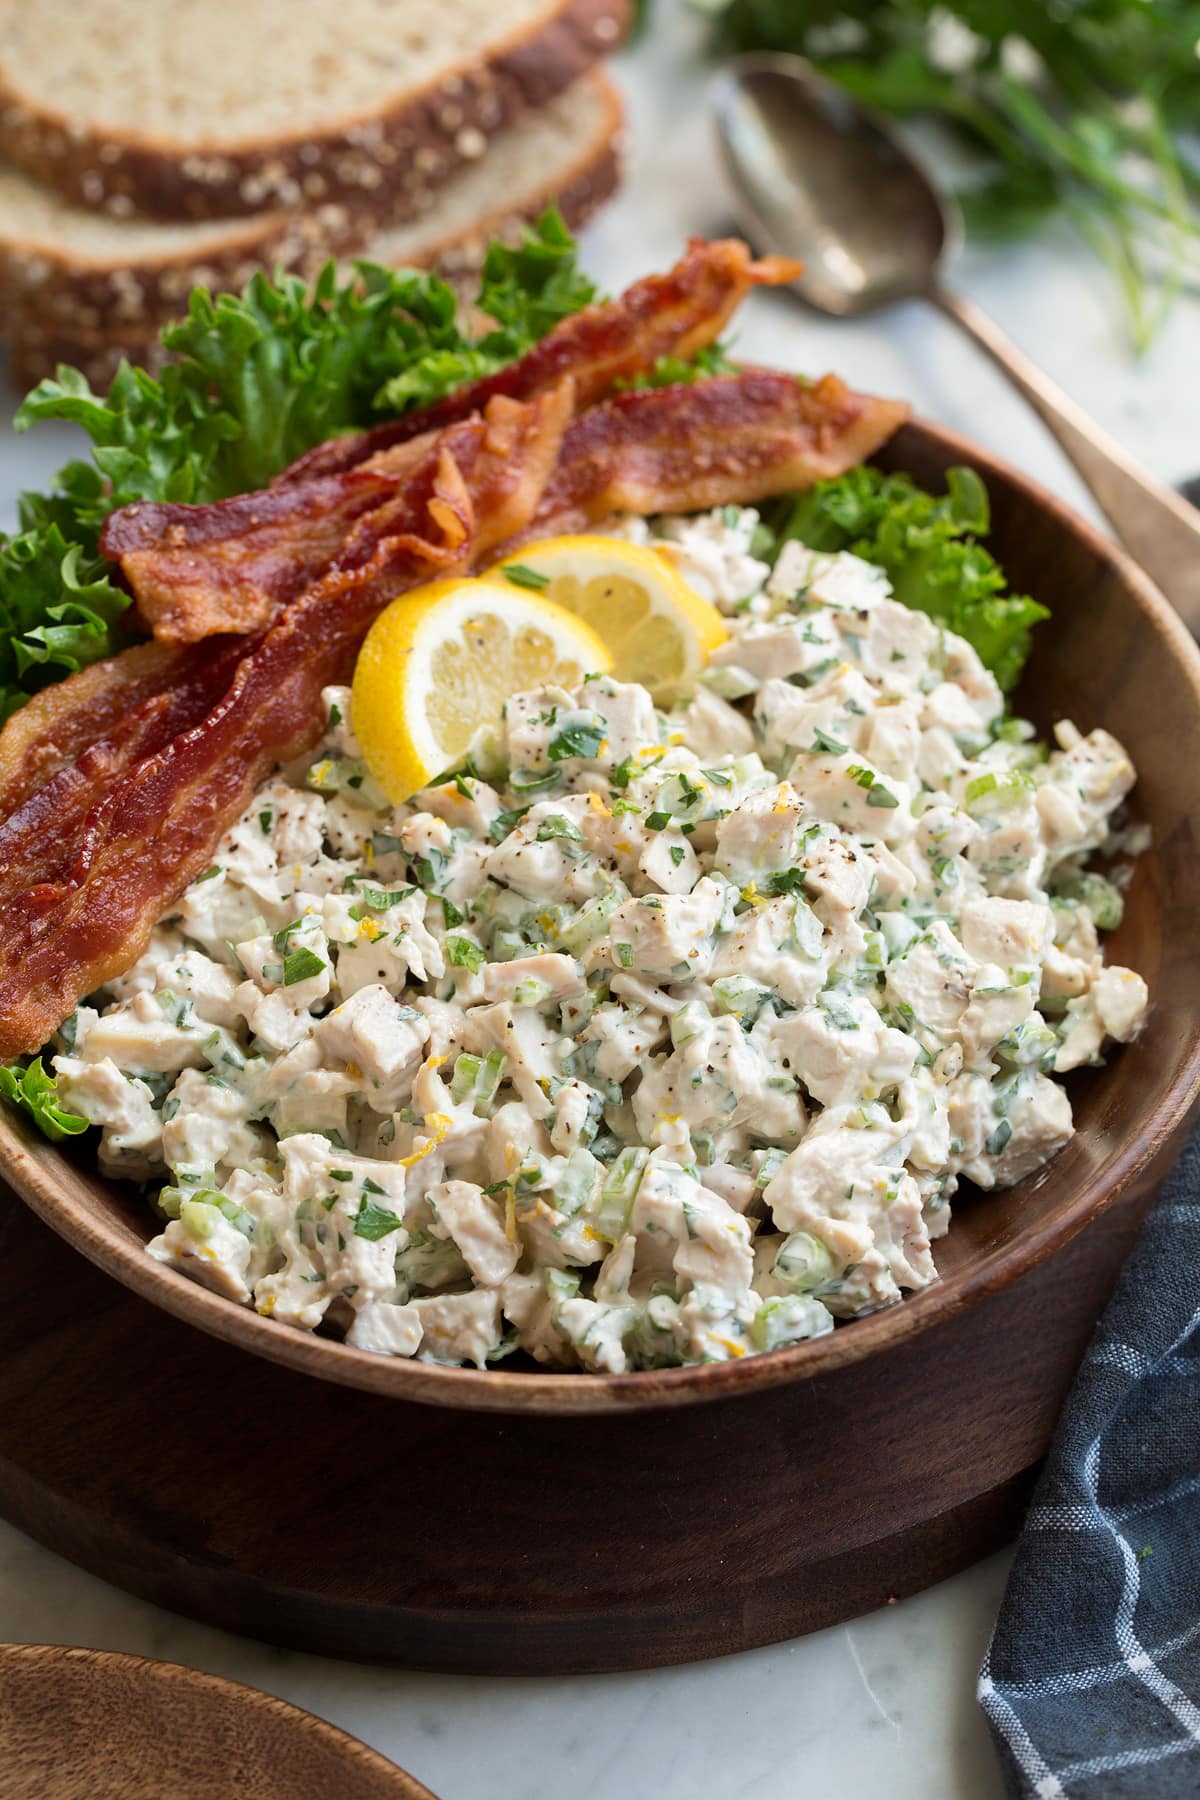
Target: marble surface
(885,1704)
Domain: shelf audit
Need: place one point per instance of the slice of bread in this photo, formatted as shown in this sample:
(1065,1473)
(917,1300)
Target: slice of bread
(201,109)
(566,153)
(79,270)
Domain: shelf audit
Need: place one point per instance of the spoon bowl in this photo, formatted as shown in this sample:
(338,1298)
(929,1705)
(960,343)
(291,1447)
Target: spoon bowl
(820,177)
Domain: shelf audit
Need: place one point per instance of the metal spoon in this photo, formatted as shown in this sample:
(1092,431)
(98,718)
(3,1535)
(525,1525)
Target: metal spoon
(818,176)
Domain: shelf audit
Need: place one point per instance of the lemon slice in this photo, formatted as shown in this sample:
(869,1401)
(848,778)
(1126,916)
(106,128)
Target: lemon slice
(441,661)
(659,630)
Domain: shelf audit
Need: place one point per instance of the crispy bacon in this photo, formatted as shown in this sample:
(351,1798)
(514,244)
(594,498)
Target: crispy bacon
(60,722)
(40,825)
(219,563)
(738,437)
(151,827)
(675,314)
(195,571)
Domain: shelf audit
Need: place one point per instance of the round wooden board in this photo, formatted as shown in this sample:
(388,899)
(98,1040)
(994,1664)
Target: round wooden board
(349,1524)
(95,1725)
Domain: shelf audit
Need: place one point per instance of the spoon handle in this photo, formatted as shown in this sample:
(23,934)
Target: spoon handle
(1156,525)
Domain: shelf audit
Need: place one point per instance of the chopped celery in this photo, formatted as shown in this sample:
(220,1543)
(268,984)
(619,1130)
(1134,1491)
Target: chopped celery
(1101,898)
(789,1319)
(590,922)
(619,1191)
(691,1019)
(741,996)
(769,1164)
(1029,1043)
(577,1183)
(997,789)
(803,1262)
(476,1078)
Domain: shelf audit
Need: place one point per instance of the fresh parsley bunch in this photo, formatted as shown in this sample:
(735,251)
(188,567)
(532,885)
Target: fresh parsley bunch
(254,380)
(1088,107)
(930,550)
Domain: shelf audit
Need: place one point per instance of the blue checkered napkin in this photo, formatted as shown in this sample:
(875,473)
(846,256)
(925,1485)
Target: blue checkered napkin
(1091,1684)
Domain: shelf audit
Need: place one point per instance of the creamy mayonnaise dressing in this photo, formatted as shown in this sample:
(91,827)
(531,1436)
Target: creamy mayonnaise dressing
(659,1039)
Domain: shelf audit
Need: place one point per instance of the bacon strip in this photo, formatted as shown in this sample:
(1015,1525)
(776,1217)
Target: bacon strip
(733,438)
(674,314)
(58,723)
(218,563)
(152,829)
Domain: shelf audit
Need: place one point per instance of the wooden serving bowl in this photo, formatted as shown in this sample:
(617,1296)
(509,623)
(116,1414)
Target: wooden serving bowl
(814,1483)
(1114,654)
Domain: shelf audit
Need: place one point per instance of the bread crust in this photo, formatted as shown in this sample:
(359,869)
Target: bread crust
(394,159)
(38,343)
(73,294)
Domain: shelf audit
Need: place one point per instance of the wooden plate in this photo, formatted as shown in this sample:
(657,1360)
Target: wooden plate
(94,1725)
(1112,654)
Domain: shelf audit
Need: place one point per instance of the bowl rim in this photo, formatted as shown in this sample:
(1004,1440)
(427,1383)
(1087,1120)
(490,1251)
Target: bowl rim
(572,1393)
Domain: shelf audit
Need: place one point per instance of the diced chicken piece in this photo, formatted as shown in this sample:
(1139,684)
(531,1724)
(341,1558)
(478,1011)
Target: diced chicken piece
(218,1260)
(1113,1006)
(465,1213)
(668,863)
(1035,1128)
(386,1329)
(718,1079)
(1012,933)
(933,980)
(781,648)
(545,980)
(779,943)
(140,1037)
(545,857)
(667,936)
(789,719)
(99,1092)
(712,553)
(842,1051)
(712,728)
(209,1126)
(839,579)
(464,804)
(459,1328)
(762,836)
(853,794)
(689,1229)
(372,1032)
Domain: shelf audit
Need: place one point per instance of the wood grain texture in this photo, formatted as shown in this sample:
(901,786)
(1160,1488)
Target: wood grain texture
(95,1725)
(348,1524)
(1114,654)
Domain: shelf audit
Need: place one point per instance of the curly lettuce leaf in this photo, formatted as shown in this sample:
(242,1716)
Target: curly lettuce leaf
(930,548)
(31,1088)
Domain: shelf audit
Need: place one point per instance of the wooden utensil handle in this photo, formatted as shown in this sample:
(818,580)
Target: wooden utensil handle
(1158,527)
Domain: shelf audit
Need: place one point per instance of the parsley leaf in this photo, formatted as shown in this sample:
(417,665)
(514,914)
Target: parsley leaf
(463,954)
(576,740)
(374,1222)
(300,965)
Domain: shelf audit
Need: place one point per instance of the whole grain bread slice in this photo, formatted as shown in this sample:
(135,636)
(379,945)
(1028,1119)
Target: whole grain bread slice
(567,153)
(181,110)
(79,271)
